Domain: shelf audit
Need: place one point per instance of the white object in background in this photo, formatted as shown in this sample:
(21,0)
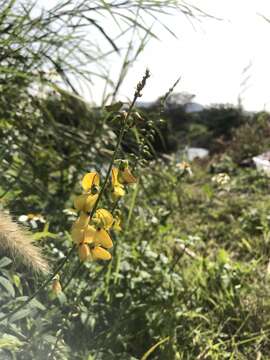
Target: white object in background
(193,153)
(262,162)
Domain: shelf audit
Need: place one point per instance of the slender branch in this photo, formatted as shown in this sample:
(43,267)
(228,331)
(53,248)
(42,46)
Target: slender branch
(76,270)
(137,94)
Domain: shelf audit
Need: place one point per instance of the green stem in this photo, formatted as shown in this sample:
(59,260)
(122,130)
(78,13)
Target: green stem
(137,94)
(76,270)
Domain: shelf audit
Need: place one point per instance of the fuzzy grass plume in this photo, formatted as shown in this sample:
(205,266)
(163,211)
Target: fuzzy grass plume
(17,243)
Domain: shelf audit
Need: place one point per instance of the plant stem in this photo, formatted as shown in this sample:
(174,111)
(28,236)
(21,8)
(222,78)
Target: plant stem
(76,270)
(137,94)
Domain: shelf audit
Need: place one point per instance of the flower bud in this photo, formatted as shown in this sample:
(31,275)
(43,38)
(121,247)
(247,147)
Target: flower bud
(84,252)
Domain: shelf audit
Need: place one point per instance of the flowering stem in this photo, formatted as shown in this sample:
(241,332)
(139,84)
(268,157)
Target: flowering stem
(137,94)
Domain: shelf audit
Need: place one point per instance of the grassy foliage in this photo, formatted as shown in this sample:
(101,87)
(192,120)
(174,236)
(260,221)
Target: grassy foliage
(190,264)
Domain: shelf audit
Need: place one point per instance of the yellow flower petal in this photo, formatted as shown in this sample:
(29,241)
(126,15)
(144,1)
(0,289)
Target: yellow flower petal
(77,233)
(89,234)
(82,220)
(103,218)
(90,202)
(103,238)
(118,188)
(84,252)
(89,180)
(85,202)
(79,201)
(100,254)
(115,176)
(97,237)
(119,191)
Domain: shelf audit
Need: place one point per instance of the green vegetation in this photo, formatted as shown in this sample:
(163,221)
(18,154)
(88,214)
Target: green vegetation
(191,264)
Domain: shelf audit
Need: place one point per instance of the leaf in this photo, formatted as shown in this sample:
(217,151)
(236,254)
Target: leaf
(114,107)
(20,314)
(44,234)
(222,257)
(153,348)
(16,281)
(35,303)
(49,339)
(7,285)
(9,342)
(5,261)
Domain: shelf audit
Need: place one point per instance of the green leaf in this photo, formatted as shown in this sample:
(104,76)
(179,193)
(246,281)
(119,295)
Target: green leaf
(5,261)
(223,257)
(7,285)
(20,314)
(49,339)
(44,234)
(9,342)
(35,303)
(114,107)
(16,281)
(153,348)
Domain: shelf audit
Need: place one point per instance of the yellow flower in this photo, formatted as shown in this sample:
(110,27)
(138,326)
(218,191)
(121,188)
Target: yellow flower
(83,220)
(97,237)
(78,228)
(84,252)
(103,219)
(118,188)
(90,180)
(77,233)
(98,253)
(91,242)
(85,202)
(90,184)
(93,253)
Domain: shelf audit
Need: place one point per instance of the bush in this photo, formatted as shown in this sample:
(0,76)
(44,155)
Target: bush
(251,139)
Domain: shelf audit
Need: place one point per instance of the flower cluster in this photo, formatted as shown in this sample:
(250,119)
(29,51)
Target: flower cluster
(90,232)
